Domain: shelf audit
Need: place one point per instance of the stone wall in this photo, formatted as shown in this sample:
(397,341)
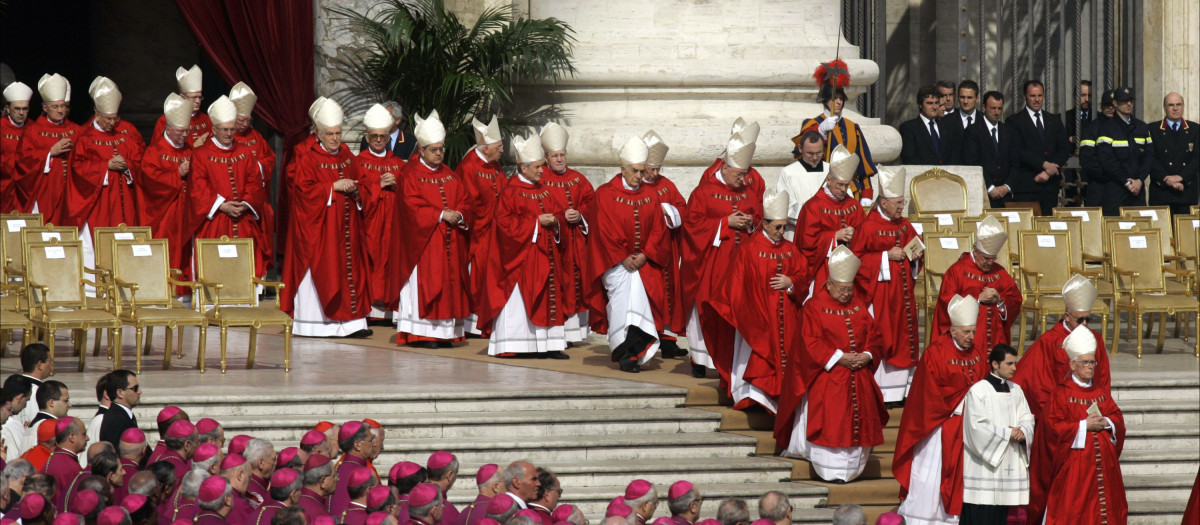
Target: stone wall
(1171,53)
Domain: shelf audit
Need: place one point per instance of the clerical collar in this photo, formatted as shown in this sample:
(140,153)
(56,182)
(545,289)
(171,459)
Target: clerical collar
(1080,382)
(21,125)
(96,124)
(431,168)
(721,179)
(559,172)
(525,180)
(380,154)
(171,142)
(819,168)
(884,215)
(830,193)
(334,152)
(999,384)
(480,155)
(773,241)
(627,186)
(960,348)
(230,146)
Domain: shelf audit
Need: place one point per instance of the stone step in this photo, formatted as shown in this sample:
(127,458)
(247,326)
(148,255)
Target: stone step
(456,425)
(1163,389)
(664,472)
(1166,437)
(593,501)
(1156,462)
(1161,487)
(503,450)
(1161,512)
(1161,411)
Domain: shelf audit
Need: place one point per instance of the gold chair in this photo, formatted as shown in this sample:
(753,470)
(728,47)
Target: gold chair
(1074,228)
(1015,220)
(1160,219)
(947,221)
(225,271)
(1187,245)
(145,294)
(937,190)
(12,308)
(1138,268)
(942,249)
(1045,267)
(1091,228)
(102,239)
(13,241)
(55,282)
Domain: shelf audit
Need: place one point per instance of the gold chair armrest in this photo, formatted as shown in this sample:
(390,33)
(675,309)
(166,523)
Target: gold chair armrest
(37,299)
(119,285)
(98,272)
(188,284)
(273,284)
(1096,258)
(1177,271)
(176,273)
(212,288)
(13,272)
(1132,282)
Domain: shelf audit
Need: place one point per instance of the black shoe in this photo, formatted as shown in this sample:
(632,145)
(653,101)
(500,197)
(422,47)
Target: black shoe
(557,354)
(361,334)
(428,345)
(380,322)
(670,349)
(631,367)
(699,371)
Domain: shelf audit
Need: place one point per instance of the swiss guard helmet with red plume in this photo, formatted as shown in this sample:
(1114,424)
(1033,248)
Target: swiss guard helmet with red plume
(832,78)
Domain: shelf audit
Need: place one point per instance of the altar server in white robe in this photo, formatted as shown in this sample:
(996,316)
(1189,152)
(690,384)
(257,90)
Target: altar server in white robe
(803,179)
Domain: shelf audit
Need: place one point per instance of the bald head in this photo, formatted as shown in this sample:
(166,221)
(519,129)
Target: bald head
(98,447)
(144,483)
(1173,105)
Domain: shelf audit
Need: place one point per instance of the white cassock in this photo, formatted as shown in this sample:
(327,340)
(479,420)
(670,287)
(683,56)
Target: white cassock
(740,389)
(628,304)
(995,468)
(14,438)
(800,185)
(514,333)
(408,317)
(309,317)
(830,463)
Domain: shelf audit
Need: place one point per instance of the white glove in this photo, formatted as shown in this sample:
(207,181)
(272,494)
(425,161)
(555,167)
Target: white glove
(827,125)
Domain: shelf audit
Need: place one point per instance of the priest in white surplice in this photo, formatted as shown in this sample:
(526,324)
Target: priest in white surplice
(997,434)
(803,179)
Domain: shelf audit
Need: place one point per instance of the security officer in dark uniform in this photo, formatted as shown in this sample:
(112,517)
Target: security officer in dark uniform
(1176,158)
(1125,151)
(1089,164)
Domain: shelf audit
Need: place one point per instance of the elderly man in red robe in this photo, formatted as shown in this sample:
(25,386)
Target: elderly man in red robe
(761,299)
(104,165)
(831,217)
(378,167)
(572,187)
(628,257)
(978,275)
(191,84)
(887,282)
(325,266)
(928,461)
(1085,433)
(228,196)
(163,186)
(283,211)
(842,414)
(523,306)
(244,99)
(722,213)
(12,127)
(674,205)
(480,171)
(431,256)
(43,156)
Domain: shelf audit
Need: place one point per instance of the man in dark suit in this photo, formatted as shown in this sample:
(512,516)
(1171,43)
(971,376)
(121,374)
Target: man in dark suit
(989,146)
(125,393)
(401,142)
(1176,166)
(1041,148)
(968,105)
(1084,110)
(928,140)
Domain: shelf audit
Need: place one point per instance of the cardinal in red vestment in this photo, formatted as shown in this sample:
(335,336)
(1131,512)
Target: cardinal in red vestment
(105,162)
(573,188)
(832,216)
(887,281)
(163,186)
(928,461)
(722,213)
(842,414)
(526,270)
(978,275)
(12,127)
(283,203)
(191,84)
(1084,433)
(227,193)
(760,299)
(664,188)
(249,138)
(627,261)
(479,170)
(43,156)
(378,167)
(430,274)
(325,266)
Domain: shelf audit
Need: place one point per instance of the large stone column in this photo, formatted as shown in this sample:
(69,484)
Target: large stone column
(1171,56)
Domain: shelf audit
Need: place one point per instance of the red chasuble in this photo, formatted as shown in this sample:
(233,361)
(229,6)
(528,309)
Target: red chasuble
(253,141)
(817,225)
(676,317)
(965,278)
(33,183)
(1086,487)
(199,125)
(845,407)
(1045,364)
(943,377)
(10,139)
(628,222)
(1191,514)
(517,258)
(439,249)
(231,174)
(894,300)
(96,195)
(286,182)
(165,204)
(327,236)
(484,181)
(574,189)
(768,319)
(380,216)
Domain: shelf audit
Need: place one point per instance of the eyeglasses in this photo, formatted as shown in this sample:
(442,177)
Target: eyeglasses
(1087,363)
(1082,320)
(377,137)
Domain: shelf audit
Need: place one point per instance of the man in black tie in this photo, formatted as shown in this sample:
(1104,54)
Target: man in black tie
(968,102)
(1040,147)
(400,142)
(989,146)
(1124,151)
(1084,110)
(125,393)
(1176,163)
(928,140)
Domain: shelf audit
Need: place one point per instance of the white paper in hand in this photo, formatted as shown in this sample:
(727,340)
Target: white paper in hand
(1094,409)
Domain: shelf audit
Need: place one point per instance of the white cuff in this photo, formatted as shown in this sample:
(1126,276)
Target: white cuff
(864,202)
(329,200)
(1080,435)
(216,204)
(585,224)
(837,354)
(537,226)
(885,268)
(255,212)
(870,355)
(720,226)
(105,180)
(671,215)
(1112,435)
(991,187)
